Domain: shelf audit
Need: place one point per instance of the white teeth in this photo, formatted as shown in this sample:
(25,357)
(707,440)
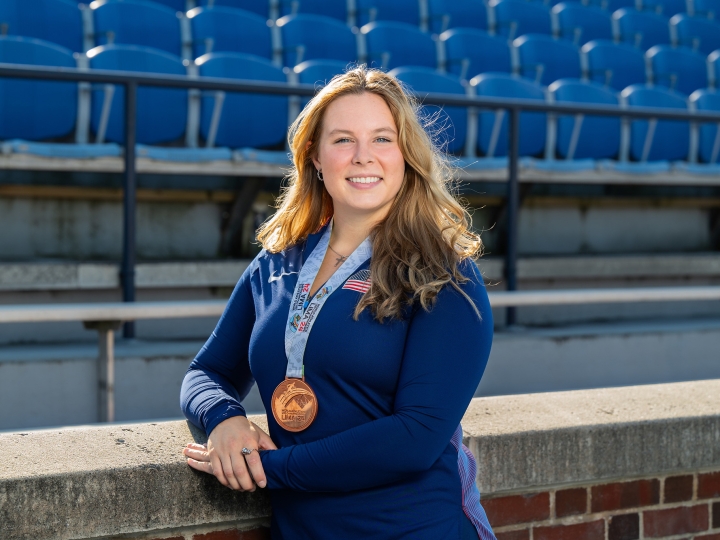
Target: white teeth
(365,180)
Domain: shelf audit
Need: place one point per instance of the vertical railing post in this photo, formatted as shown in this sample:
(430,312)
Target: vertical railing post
(512,209)
(105,367)
(127,272)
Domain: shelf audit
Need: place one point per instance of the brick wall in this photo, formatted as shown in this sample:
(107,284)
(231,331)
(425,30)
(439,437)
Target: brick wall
(675,507)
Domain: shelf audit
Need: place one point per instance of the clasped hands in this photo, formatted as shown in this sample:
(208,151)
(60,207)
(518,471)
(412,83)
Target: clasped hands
(222,456)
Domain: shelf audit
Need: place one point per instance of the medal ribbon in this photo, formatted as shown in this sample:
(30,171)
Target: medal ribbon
(304,310)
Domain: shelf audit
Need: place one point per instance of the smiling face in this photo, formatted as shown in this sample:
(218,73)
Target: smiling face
(359,156)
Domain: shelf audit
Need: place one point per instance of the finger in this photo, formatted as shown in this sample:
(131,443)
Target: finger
(265,442)
(196,446)
(198,455)
(241,473)
(256,469)
(218,470)
(229,472)
(202,466)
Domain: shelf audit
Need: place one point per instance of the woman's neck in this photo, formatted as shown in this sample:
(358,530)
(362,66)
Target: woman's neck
(349,231)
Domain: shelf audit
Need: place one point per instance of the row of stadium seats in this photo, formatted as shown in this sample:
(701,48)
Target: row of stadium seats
(208,29)
(38,111)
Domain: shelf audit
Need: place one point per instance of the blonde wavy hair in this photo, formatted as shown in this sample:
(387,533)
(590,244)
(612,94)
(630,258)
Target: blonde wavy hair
(418,246)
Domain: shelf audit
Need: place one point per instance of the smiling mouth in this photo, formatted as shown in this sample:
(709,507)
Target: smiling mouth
(364,179)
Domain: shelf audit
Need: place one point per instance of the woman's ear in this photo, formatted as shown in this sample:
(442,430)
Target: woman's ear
(314,158)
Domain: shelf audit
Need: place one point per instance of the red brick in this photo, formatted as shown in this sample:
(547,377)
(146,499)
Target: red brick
(514,535)
(624,527)
(570,502)
(709,485)
(262,533)
(716,515)
(517,509)
(678,489)
(685,519)
(595,530)
(625,495)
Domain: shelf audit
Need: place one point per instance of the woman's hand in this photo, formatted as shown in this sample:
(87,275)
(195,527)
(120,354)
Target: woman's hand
(223,458)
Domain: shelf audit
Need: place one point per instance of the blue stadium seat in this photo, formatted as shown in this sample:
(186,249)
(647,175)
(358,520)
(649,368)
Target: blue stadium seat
(315,72)
(702,35)
(309,37)
(469,52)
(36,110)
(492,132)
(177,5)
(261,7)
(137,22)
(406,11)
(709,139)
(229,30)
(643,29)
(668,140)
(267,115)
(665,7)
(161,112)
(713,62)
(545,59)
(513,18)
(678,68)
(57,21)
(612,5)
(580,136)
(449,124)
(319,72)
(395,44)
(581,24)
(616,65)
(337,9)
(709,9)
(446,14)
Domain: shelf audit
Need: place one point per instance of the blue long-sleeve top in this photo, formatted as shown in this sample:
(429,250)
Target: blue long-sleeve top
(378,460)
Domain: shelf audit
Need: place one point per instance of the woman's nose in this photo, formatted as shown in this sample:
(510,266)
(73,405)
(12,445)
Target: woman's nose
(363,154)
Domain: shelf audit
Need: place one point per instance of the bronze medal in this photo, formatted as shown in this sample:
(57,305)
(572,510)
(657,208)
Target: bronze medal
(294,404)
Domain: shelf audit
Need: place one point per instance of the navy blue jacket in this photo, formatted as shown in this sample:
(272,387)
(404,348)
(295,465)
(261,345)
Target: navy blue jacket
(377,462)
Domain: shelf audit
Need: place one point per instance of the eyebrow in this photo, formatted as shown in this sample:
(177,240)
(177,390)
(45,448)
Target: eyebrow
(348,132)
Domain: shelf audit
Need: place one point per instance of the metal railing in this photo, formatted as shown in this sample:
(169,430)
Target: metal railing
(132,80)
(106,318)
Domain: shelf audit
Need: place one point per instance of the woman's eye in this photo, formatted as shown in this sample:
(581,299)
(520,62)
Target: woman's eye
(344,139)
(383,139)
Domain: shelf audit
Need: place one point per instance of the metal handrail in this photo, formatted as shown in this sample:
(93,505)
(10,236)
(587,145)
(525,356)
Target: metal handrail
(122,311)
(131,80)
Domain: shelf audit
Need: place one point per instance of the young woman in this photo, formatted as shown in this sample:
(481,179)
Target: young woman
(367,327)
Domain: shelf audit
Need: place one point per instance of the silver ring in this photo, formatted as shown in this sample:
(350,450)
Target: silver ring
(247,451)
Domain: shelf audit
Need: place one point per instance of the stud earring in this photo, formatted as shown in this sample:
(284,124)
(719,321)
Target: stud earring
(320,176)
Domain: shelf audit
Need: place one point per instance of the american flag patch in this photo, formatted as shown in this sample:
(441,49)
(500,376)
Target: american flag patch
(359,281)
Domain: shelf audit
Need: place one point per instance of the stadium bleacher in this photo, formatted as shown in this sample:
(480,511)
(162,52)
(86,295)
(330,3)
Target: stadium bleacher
(663,53)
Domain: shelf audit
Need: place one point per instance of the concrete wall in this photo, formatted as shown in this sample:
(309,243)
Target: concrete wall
(610,464)
(73,228)
(85,229)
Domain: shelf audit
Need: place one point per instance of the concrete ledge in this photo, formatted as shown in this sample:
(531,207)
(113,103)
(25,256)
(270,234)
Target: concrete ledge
(107,480)
(535,440)
(101,481)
